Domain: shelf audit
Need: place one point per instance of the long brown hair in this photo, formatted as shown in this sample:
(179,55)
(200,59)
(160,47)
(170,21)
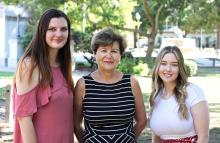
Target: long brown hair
(181,81)
(38,51)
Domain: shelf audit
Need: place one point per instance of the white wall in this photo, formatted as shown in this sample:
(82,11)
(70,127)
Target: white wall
(2,37)
(10,48)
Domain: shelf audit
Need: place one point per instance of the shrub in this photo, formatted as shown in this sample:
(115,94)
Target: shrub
(151,62)
(126,65)
(81,40)
(141,69)
(25,39)
(191,67)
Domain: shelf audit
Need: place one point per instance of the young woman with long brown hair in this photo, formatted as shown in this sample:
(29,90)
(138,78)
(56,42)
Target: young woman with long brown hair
(43,88)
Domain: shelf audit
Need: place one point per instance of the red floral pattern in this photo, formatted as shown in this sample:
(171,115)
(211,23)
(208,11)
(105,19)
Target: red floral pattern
(192,139)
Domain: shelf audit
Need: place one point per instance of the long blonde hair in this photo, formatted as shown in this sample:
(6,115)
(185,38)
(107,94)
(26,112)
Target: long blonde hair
(181,81)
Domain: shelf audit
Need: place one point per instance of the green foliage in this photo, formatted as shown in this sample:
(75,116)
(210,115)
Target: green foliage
(155,14)
(151,62)
(189,15)
(35,8)
(141,69)
(97,14)
(82,41)
(171,11)
(202,14)
(191,67)
(25,39)
(88,15)
(126,65)
(11,1)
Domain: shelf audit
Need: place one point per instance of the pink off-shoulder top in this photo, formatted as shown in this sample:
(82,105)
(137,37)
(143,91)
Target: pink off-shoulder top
(51,108)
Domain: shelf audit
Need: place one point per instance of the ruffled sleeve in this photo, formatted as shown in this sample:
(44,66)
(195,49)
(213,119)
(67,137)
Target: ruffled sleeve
(28,103)
(43,96)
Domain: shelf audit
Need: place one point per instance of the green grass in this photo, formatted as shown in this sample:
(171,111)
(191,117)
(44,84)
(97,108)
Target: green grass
(146,97)
(214,107)
(2,92)
(6,75)
(209,72)
(146,101)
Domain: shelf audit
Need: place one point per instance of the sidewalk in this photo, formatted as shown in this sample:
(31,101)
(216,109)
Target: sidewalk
(7,69)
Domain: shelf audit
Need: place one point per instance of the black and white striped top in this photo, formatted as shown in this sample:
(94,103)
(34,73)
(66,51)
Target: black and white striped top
(108,111)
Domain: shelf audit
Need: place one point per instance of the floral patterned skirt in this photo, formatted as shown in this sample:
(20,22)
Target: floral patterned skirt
(192,139)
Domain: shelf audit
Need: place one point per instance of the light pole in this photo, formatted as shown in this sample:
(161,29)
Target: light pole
(138,17)
(84,16)
(18,12)
(65,5)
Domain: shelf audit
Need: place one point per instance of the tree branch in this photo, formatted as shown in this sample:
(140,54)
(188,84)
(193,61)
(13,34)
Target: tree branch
(148,13)
(131,30)
(157,16)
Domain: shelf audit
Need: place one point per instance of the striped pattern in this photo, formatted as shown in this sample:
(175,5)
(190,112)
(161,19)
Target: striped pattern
(108,111)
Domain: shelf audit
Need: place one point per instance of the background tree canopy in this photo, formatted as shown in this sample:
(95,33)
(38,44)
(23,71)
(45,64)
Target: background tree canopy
(86,16)
(89,15)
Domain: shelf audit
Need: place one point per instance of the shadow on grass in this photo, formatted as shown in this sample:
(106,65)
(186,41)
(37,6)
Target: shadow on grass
(214,135)
(214,107)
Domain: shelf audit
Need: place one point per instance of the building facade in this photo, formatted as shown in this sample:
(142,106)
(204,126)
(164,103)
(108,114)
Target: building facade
(13,21)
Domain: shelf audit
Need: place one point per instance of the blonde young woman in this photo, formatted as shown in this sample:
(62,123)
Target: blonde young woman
(108,100)
(179,110)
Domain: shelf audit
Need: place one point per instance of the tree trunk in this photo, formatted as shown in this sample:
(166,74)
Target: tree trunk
(217,47)
(153,20)
(218,39)
(135,37)
(151,43)
(150,47)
